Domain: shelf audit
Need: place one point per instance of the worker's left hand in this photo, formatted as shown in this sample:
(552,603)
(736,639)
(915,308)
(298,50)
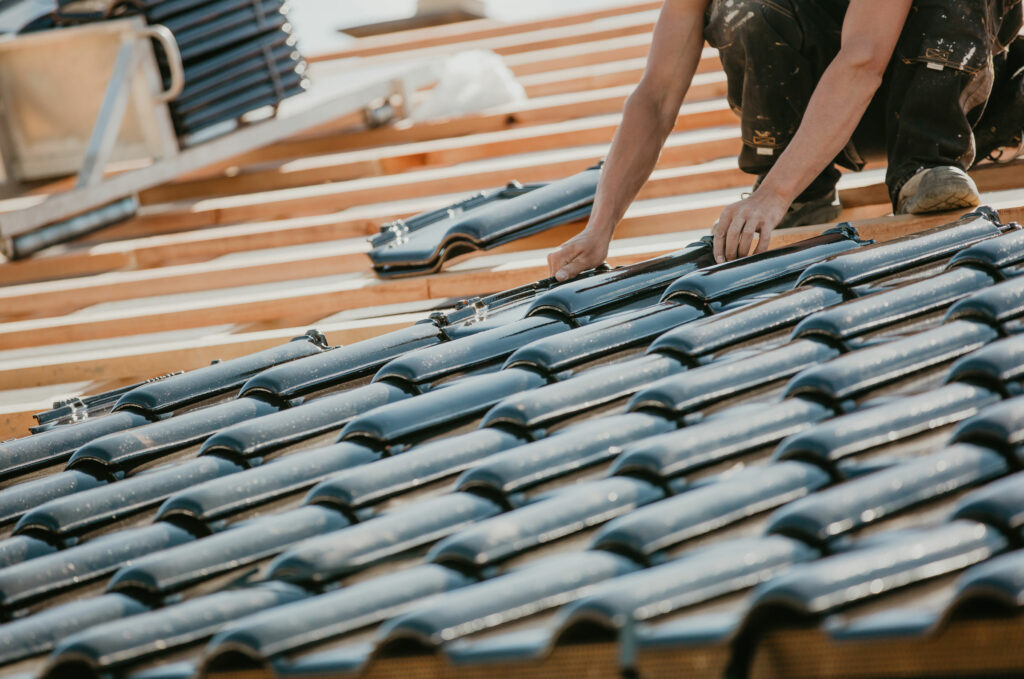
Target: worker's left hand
(758,214)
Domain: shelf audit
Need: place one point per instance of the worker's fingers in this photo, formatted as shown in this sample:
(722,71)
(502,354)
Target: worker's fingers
(764,238)
(567,266)
(746,238)
(718,241)
(732,237)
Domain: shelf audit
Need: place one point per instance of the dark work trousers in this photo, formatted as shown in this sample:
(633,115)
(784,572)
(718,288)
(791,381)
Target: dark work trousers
(934,93)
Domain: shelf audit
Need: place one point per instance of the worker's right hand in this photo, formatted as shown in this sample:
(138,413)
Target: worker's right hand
(584,251)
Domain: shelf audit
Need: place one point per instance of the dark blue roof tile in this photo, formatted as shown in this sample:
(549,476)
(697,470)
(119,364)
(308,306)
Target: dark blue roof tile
(713,628)
(178,391)
(127,450)
(115,644)
(24,497)
(909,557)
(47,575)
(339,661)
(999,366)
(847,507)
(423,464)
(728,434)
(19,548)
(577,447)
(421,367)
(518,646)
(993,254)
(72,515)
(303,623)
(589,389)
(707,508)
(998,581)
(608,290)
(179,567)
(55,446)
(449,405)
(555,516)
(333,556)
(616,333)
(860,316)
(714,333)
(999,426)
(996,305)
(695,577)
(335,367)
(766,270)
(214,499)
(696,389)
(541,585)
(828,442)
(856,374)
(38,633)
(872,262)
(999,504)
(263,435)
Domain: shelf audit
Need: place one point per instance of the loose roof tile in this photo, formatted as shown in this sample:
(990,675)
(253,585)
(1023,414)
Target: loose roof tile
(693,513)
(549,518)
(199,385)
(124,451)
(169,570)
(418,524)
(695,389)
(337,366)
(999,366)
(578,447)
(875,261)
(822,517)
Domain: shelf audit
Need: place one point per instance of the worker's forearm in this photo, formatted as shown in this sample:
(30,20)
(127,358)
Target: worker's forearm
(839,101)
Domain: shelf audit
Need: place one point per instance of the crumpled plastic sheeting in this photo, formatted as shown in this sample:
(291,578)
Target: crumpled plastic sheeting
(468,82)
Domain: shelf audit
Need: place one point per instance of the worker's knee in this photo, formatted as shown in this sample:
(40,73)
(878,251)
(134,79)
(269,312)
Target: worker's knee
(751,25)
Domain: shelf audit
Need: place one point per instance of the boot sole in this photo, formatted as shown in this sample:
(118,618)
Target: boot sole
(939,191)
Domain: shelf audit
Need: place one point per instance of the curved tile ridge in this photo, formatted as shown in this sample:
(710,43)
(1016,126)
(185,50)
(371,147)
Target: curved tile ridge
(610,289)
(820,518)
(871,262)
(993,254)
(115,644)
(459,401)
(997,305)
(705,336)
(16,500)
(262,435)
(826,443)
(361,486)
(582,445)
(173,569)
(998,581)
(55,446)
(542,585)
(340,553)
(695,389)
(19,548)
(335,367)
(127,450)
(773,268)
(531,410)
(1000,427)
(194,386)
(262,636)
(209,501)
(999,366)
(65,517)
(999,504)
(730,433)
(419,368)
(707,508)
(831,583)
(697,576)
(857,373)
(553,517)
(600,338)
(875,311)
(48,575)
(37,633)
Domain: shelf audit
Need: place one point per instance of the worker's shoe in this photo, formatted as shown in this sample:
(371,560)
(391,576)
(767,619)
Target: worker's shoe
(814,211)
(937,189)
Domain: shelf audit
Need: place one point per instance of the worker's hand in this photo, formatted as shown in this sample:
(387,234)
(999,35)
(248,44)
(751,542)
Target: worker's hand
(584,251)
(758,214)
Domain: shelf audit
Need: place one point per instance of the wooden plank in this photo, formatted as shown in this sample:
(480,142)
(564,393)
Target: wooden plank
(457,35)
(587,54)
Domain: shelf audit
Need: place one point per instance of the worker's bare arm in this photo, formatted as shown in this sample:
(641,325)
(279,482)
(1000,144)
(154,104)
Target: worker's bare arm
(871,29)
(647,119)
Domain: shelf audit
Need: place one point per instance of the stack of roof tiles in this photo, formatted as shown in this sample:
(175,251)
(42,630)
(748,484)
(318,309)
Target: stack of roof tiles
(655,468)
